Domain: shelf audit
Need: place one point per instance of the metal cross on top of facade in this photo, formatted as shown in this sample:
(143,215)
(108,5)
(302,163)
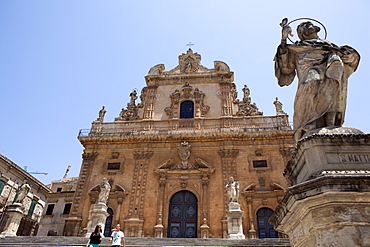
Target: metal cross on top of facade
(190,45)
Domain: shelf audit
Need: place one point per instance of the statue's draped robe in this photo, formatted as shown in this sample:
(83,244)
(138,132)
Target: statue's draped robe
(323,70)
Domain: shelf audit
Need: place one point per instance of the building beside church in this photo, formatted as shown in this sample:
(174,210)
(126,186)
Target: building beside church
(169,157)
(58,206)
(12,177)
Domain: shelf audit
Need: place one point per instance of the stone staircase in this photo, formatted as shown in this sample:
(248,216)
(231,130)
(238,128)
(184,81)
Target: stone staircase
(138,242)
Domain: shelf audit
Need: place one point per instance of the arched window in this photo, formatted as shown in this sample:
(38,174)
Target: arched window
(108,223)
(265,229)
(187,109)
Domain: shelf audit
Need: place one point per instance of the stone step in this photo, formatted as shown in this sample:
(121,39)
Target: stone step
(23,241)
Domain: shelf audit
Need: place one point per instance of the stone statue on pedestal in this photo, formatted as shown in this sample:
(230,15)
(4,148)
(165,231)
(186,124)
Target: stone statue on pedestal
(104,191)
(234,214)
(232,188)
(323,69)
(15,212)
(279,107)
(23,192)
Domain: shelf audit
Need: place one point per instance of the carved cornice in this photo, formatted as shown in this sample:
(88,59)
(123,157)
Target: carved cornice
(276,136)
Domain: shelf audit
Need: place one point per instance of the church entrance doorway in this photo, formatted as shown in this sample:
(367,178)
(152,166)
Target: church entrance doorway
(265,229)
(108,223)
(182,218)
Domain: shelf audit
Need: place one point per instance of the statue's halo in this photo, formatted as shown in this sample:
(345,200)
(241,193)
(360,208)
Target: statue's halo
(310,19)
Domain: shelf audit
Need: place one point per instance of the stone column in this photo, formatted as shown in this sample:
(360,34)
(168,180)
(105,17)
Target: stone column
(329,199)
(252,231)
(118,213)
(159,228)
(15,213)
(205,196)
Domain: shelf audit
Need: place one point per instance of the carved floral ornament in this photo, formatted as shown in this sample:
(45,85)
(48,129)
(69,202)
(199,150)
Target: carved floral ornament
(187,93)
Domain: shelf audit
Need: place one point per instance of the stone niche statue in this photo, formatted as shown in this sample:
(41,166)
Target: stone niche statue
(104,191)
(23,192)
(232,188)
(323,69)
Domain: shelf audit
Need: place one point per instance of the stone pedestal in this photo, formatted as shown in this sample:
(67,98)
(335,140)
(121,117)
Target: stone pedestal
(134,227)
(15,214)
(98,216)
(234,221)
(72,227)
(204,229)
(328,203)
(158,231)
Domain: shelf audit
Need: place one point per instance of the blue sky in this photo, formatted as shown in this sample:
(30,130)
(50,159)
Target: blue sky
(60,61)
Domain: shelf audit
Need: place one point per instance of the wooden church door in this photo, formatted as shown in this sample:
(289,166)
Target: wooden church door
(183,212)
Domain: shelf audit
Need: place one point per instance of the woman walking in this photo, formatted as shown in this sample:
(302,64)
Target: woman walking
(95,237)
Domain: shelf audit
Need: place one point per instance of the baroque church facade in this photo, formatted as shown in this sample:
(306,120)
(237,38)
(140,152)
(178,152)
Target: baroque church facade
(169,157)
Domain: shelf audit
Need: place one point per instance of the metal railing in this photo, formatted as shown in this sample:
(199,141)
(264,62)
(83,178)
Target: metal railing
(165,131)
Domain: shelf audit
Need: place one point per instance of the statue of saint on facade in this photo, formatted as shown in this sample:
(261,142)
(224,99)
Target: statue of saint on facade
(101,114)
(133,97)
(232,188)
(104,191)
(323,69)
(23,192)
(279,107)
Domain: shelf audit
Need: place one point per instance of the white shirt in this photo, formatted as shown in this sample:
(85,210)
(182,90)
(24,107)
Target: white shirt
(117,237)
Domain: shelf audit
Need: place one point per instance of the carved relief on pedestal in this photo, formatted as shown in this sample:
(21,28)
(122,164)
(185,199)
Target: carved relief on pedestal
(187,94)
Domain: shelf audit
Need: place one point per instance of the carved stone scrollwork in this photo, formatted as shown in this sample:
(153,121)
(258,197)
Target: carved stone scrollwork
(89,156)
(246,108)
(189,62)
(187,93)
(156,70)
(131,112)
(184,154)
(115,155)
(221,66)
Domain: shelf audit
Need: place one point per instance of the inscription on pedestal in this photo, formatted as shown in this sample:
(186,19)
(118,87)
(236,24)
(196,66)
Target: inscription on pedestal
(349,158)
